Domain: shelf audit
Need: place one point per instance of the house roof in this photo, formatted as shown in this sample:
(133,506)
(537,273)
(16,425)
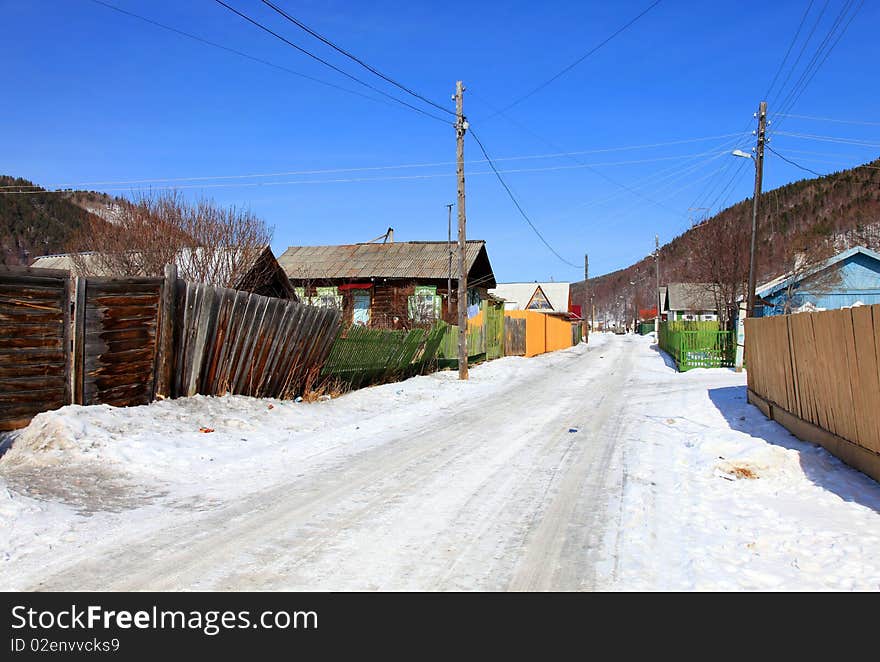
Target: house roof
(518,295)
(401,259)
(183,258)
(662,298)
(691,296)
(188,260)
(780,283)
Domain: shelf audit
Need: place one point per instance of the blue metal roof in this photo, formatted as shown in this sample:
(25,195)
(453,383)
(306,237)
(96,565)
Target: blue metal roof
(777,285)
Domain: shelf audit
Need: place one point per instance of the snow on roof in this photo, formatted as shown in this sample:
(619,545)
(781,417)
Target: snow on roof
(518,295)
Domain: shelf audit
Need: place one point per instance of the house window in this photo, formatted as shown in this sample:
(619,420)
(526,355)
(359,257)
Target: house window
(424,304)
(539,301)
(361,308)
(327,297)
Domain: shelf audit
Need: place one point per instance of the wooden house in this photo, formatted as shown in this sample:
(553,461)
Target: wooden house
(393,285)
(689,302)
(852,277)
(550,297)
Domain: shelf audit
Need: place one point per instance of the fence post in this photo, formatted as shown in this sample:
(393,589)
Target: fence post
(78,330)
(165,341)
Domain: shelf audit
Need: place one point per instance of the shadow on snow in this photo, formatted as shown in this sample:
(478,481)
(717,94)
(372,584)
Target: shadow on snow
(818,464)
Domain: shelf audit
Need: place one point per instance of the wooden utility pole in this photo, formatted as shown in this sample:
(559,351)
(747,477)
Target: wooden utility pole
(585,313)
(759,174)
(657,275)
(461,126)
(449,251)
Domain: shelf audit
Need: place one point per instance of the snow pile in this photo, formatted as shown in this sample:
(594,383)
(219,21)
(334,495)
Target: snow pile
(718,497)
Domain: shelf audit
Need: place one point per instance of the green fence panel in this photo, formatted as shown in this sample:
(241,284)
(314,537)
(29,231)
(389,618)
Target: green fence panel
(697,345)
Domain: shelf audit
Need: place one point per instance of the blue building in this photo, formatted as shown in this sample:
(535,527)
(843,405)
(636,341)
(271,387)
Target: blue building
(848,278)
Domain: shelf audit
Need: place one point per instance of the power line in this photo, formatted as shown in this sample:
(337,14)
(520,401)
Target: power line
(827,119)
(339,49)
(328,64)
(413,165)
(237,52)
(517,205)
(796,165)
(576,62)
(569,154)
(800,53)
(301,182)
(830,139)
(788,52)
(815,64)
(824,58)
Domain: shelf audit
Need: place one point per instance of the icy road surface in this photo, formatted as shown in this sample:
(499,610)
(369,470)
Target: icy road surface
(597,467)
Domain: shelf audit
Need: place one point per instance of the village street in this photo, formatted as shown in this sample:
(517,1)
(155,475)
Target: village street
(593,468)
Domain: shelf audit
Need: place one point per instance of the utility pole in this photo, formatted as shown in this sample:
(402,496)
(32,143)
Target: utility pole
(759,174)
(585,312)
(461,126)
(657,290)
(449,251)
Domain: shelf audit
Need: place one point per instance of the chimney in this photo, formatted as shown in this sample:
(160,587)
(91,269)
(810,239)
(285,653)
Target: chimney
(390,235)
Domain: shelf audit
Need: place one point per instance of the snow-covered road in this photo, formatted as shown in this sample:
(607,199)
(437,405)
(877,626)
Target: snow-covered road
(592,468)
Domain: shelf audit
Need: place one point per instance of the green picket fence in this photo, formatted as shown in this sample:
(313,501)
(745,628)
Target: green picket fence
(698,345)
(361,355)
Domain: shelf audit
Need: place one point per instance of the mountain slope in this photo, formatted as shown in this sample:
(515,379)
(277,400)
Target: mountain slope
(816,216)
(40,222)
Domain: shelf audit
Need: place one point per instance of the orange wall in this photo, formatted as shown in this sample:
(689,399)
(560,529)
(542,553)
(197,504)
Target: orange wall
(558,333)
(544,333)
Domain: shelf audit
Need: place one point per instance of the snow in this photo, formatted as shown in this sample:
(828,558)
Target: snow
(693,489)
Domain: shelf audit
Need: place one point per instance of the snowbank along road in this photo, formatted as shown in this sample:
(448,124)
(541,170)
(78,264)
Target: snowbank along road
(597,467)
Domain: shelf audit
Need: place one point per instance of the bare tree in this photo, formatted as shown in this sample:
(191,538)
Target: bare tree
(804,274)
(720,258)
(208,243)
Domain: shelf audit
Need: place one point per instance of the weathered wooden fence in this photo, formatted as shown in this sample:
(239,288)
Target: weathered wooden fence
(34,344)
(227,341)
(818,374)
(115,340)
(514,336)
(126,342)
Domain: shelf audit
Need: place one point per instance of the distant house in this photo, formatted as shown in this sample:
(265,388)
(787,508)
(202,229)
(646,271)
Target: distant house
(689,302)
(549,297)
(849,278)
(258,270)
(389,285)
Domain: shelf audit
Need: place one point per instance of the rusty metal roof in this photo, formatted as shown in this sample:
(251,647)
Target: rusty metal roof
(402,259)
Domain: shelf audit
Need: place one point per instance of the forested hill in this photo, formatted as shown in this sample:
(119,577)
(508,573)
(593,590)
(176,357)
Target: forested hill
(40,223)
(818,216)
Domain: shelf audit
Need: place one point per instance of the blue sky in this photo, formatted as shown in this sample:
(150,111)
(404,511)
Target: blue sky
(92,95)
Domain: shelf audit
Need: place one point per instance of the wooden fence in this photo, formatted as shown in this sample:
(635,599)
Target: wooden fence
(34,344)
(115,340)
(514,336)
(818,374)
(361,355)
(227,341)
(68,340)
